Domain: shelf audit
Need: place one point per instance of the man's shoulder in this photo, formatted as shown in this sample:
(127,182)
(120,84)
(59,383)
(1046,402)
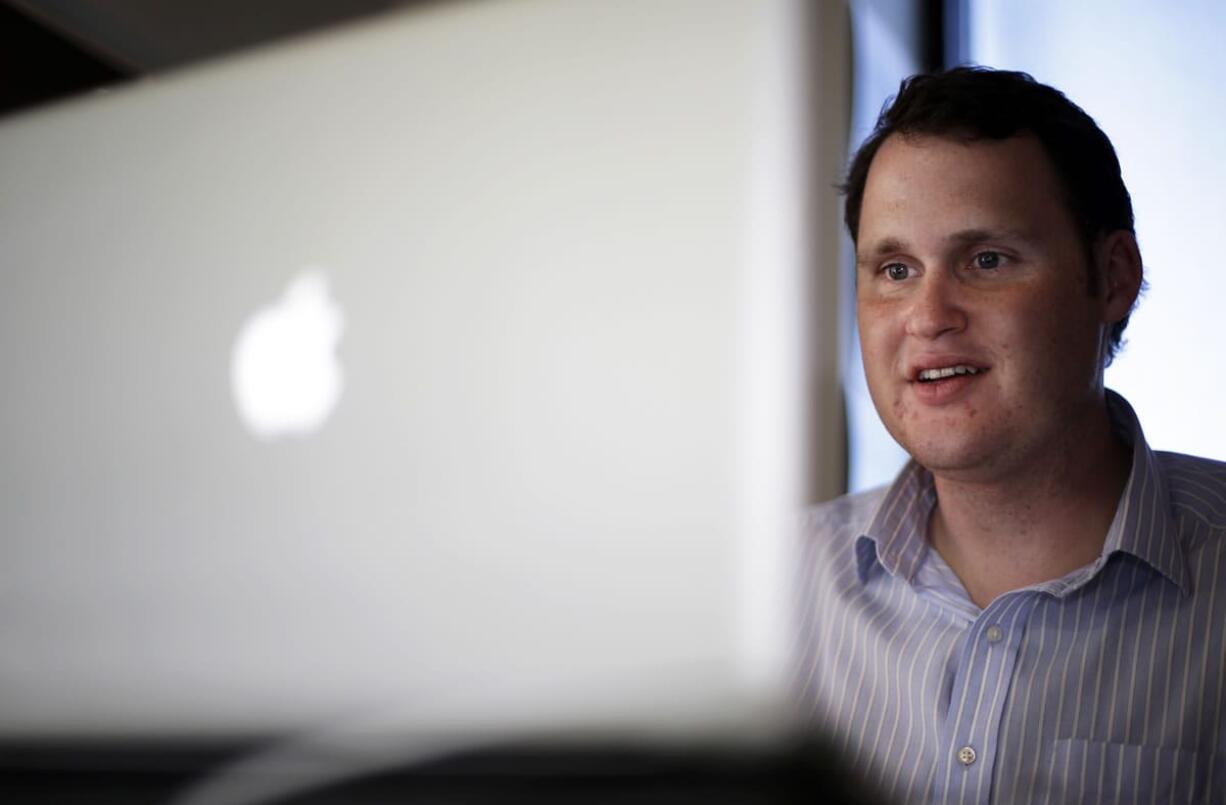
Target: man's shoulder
(1197,486)
(846,516)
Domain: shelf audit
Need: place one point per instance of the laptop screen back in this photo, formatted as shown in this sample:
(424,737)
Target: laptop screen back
(446,359)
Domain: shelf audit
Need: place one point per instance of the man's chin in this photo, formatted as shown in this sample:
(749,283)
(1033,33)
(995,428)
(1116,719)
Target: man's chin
(957,460)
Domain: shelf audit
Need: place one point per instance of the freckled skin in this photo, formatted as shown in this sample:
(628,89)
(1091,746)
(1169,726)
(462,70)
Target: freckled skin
(1029,320)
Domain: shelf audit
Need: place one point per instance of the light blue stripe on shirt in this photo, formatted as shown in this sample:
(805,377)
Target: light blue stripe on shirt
(1103,686)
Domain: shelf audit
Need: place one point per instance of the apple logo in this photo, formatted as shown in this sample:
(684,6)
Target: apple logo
(284,371)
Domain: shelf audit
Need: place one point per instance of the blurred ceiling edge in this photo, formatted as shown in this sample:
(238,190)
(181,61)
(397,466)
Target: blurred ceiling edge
(54,49)
(31,13)
(38,65)
(145,36)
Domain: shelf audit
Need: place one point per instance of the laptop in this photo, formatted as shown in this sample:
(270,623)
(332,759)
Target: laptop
(442,372)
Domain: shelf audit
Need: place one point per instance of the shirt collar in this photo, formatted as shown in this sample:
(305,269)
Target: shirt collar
(1144,525)
(897,536)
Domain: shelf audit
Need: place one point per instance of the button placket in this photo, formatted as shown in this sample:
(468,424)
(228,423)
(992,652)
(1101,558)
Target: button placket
(981,680)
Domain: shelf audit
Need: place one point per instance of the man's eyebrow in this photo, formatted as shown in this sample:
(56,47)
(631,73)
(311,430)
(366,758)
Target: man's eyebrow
(980,235)
(882,247)
(964,237)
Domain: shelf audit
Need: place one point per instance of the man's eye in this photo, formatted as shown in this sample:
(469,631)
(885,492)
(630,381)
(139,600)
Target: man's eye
(988,260)
(896,271)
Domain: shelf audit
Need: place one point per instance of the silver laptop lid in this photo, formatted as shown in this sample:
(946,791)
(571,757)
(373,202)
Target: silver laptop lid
(445,357)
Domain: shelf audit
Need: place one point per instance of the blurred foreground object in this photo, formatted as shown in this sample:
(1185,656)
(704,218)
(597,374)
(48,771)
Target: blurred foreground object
(528,413)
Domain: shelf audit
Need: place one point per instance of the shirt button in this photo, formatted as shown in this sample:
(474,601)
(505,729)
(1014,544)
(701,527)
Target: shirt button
(966,756)
(994,634)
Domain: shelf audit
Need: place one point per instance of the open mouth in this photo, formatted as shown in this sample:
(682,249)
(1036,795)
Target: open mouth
(932,375)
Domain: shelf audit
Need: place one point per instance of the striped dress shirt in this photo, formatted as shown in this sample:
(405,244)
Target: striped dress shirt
(1102,686)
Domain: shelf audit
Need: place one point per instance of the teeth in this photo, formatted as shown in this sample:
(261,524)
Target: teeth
(948,371)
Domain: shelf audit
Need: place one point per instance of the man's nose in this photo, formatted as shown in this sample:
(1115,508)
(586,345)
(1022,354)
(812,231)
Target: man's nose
(937,306)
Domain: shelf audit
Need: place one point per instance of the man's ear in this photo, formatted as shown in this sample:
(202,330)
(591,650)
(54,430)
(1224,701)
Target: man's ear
(1119,274)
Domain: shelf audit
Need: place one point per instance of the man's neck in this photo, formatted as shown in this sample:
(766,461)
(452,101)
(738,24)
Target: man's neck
(1036,525)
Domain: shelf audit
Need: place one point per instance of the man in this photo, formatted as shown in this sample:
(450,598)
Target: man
(1035,610)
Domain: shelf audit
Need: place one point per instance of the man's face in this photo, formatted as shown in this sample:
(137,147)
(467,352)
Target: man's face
(969,262)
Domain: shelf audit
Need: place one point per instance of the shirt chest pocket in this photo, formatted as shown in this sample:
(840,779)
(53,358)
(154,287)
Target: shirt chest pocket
(1093,771)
